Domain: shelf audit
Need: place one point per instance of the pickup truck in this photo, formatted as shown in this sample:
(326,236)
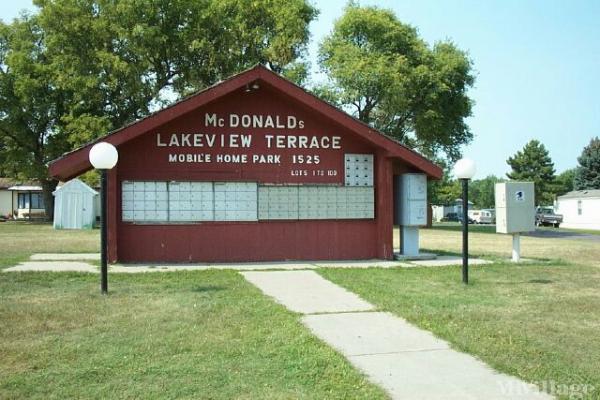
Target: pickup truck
(546,216)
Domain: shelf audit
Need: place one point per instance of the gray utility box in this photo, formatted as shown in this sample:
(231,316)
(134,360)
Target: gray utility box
(413,200)
(515,211)
(411,210)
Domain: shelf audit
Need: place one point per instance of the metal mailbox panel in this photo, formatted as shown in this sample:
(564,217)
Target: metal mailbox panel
(515,210)
(358,169)
(411,201)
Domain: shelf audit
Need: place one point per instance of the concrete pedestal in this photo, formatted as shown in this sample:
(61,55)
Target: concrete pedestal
(409,241)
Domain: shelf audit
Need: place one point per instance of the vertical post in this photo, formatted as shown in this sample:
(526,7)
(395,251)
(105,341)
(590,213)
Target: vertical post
(465,230)
(516,250)
(103,232)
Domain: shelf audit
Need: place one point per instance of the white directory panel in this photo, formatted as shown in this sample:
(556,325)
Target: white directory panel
(144,201)
(278,202)
(359,169)
(191,201)
(236,201)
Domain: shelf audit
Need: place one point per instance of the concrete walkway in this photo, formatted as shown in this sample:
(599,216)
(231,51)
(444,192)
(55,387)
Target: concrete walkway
(445,261)
(408,362)
(306,292)
(53,266)
(65,257)
(79,262)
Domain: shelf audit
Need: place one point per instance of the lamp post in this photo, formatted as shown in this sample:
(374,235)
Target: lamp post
(103,156)
(464,169)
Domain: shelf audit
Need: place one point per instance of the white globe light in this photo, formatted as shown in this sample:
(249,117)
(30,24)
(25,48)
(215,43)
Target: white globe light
(464,168)
(103,155)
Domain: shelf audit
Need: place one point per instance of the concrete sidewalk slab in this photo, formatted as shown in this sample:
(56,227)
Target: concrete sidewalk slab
(355,334)
(441,375)
(421,256)
(306,292)
(53,266)
(137,268)
(65,257)
(360,264)
(443,261)
(42,260)
(411,363)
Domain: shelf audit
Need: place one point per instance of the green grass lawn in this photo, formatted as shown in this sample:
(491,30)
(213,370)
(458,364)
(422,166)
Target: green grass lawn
(210,334)
(18,240)
(539,321)
(195,335)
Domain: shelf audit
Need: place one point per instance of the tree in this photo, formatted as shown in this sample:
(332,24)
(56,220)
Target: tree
(444,191)
(587,175)
(482,192)
(534,164)
(30,106)
(564,182)
(80,68)
(447,192)
(387,76)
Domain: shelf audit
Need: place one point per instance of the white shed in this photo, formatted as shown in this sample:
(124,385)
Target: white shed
(580,209)
(74,206)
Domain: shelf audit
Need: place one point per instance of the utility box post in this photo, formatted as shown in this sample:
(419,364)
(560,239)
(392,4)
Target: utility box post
(516,250)
(412,211)
(515,212)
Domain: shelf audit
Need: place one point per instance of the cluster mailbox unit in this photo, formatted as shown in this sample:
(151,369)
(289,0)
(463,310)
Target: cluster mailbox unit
(515,211)
(253,169)
(411,212)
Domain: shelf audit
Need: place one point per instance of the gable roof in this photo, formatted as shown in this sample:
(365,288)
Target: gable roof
(76,162)
(13,184)
(74,184)
(581,194)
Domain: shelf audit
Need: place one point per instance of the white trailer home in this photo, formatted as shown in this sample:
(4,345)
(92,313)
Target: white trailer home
(580,209)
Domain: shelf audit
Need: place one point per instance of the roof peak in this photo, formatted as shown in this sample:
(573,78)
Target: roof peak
(76,162)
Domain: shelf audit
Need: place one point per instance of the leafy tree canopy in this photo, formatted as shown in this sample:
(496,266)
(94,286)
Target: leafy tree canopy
(482,192)
(80,68)
(564,182)
(587,175)
(384,73)
(534,164)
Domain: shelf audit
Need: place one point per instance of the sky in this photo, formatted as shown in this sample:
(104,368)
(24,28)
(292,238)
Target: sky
(537,65)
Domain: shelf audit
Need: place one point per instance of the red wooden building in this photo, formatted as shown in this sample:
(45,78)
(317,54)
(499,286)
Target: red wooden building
(251,169)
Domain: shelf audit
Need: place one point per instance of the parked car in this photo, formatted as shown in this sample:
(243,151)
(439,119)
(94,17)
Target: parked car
(455,217)
(547,216)
(450,217)
(469,220)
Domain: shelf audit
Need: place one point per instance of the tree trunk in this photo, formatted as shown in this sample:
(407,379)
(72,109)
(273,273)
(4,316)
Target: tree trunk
(48,186)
